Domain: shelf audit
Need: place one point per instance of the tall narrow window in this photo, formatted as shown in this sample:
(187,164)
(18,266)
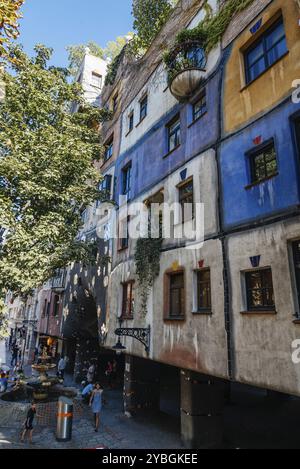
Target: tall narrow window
(260,293)
(263,163)
(203,290)
(109,148)
(130,121)
(174,134)
(115,103)
(56,303)
(186,200)
(269,48)
(200,106)
(124,233)
(126,181)
(128,300)
(176,295)
(105,187)
(143,107)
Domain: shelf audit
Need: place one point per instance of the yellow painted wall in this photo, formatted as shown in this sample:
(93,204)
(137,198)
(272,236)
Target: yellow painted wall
(243,103)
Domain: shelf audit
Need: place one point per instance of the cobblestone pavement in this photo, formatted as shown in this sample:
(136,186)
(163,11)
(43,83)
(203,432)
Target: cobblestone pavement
(116,431)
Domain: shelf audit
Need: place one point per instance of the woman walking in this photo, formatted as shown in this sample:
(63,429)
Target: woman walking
(96,404)
(28,425)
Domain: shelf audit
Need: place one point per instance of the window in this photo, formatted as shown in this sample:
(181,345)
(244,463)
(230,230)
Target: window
(96,80)
(174,137)
(203,290)
(263,163)
(200,107)
(130,121)
(115,103)
(45,307)
(186,200)
(296,259)
(123,234)
(56,303)
(260,294)
(128,301)
(109,149)
(126,181)
(270,47)
(105,186)
(176,295)
(143,107)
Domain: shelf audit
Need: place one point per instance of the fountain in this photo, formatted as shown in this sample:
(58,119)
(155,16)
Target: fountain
(42,385)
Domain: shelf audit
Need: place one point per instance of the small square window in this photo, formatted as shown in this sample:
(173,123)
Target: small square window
(200,107)
(263,163)
(143,108)
(260,293)
(174,134)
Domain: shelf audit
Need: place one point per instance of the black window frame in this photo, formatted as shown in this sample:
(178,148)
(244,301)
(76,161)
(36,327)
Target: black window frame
(131,122)
(249,290)
(143,107)
(203,107)
(56,303)
(99,77)
(207,308)
(174,131)
(126,187)
(128,293)
(262,40)
(253,156)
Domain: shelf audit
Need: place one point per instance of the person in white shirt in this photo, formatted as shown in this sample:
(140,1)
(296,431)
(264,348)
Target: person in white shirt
(61,367)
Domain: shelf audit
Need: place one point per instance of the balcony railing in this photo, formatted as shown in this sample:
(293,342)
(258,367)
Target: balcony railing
(58,282)
(186,69)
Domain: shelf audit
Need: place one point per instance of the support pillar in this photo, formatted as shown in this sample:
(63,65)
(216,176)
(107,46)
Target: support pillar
(202,403)
(141,385)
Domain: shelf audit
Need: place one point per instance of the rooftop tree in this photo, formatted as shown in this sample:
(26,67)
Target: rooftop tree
(47,171)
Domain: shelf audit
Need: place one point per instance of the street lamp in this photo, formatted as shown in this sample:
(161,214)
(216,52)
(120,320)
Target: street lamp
(138,333)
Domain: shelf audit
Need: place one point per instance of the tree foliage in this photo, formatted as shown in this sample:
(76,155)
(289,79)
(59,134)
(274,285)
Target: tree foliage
(9,27)
(47,171)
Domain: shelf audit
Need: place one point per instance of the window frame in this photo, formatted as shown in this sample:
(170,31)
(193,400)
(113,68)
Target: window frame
(130,122)
(182,199)
(202,309)
(262,40)
(175,131)
(253,154)
(109,149)
(168,316)
(124,312)
(125,189)
(99,77)
(264,308)
(202,96)
(143,107)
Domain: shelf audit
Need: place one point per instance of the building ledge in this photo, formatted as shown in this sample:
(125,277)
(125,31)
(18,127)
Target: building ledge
(258,313)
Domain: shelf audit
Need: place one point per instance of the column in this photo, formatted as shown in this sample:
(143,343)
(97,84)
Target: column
(202,403)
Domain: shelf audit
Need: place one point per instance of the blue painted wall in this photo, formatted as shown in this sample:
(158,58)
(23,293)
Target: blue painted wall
(149,163)
(274,196)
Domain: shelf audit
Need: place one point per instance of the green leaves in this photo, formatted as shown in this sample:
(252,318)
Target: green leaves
(9,27)
(47,171)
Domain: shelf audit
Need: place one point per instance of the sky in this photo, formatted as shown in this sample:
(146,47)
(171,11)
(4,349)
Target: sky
(59,23)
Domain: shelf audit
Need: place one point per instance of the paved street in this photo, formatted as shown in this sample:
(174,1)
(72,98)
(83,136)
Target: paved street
(117,431)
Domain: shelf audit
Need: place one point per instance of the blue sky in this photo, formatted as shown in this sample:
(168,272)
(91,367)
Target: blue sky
(59,23)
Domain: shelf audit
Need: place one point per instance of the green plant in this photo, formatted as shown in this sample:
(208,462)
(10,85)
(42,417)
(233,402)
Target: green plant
(208,33)
(112,68)
(147,259)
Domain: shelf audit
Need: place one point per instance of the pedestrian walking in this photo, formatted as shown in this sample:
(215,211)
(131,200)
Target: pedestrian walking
(3,382)
(61,367)
(96,404)
(28,425)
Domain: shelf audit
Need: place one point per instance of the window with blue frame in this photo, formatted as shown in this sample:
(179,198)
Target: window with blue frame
(200,106)
(269,48)
(109,148)
(126,181)
(174,133)
(130,121)
(105,186)
(263,163)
